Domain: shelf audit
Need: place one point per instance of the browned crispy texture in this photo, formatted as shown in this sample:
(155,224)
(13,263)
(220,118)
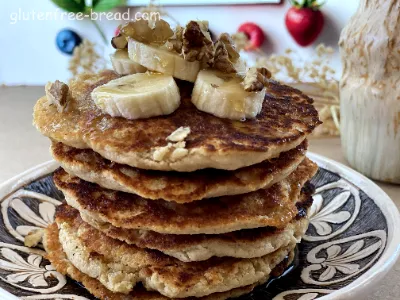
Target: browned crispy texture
(59,260)
(274,206)
(175,186)
(98,242)
(287,117)
(164,242)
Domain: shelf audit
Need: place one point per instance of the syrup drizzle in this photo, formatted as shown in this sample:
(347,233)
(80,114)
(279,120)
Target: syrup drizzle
(289,269)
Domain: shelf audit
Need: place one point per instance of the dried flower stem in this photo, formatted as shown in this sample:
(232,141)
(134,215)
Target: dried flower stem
(100,31)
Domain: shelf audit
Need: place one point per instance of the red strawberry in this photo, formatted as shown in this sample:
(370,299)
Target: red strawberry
(254,33)
(304,21)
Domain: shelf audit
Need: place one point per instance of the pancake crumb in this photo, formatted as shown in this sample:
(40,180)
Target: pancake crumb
(179,153)
(161,152)
(173,152)
(33,238)
(179,135)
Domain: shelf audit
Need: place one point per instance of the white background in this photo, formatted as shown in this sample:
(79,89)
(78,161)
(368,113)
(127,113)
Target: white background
(28,54)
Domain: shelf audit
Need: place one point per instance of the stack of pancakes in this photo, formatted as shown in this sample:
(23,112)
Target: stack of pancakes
(212,222)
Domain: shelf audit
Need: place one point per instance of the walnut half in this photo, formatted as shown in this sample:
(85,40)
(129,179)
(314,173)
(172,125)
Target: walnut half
(142,32)
(225,56)
(119,41)
(197,43)
(175,43)
(256,79)
(58,93)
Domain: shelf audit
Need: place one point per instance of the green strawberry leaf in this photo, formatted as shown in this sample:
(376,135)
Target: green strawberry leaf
(74,6)
(106,5)
(317,6)
(295,3)
(313,4)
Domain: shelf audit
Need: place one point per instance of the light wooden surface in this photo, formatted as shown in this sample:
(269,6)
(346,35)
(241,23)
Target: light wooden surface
(22,147)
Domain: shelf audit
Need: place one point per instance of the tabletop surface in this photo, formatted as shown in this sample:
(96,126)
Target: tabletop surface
(22,147)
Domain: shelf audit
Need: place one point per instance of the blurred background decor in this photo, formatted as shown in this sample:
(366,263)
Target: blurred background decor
(204,2)
(370,91)
(305,21)
(44,62)
(87,7)
(315,77)
(282,37)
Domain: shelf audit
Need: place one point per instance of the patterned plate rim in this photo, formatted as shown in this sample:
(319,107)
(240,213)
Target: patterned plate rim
(381,199)
(392,215)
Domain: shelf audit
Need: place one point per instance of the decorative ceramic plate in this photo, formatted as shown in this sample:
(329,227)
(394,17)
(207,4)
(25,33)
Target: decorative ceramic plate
(349,245)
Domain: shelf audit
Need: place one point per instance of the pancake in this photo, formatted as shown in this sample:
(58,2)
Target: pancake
(287,117)
(59,260)
(173,186)
(119,267)
(274,206)
(246,243)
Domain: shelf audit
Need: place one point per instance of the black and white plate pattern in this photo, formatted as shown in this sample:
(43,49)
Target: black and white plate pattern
(349,245)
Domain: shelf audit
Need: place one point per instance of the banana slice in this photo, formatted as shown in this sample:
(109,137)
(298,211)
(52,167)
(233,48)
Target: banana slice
(223,95)
(163,61)
(123,65)
(137,96)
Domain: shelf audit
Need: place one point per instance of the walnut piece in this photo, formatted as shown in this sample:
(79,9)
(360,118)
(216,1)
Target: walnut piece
(256,79)
(58,93)
(33,238)
(225,56)
(161,32)
(119,41)
(142,32)
(230,47)
(176,42)
(197,43)
(241,40)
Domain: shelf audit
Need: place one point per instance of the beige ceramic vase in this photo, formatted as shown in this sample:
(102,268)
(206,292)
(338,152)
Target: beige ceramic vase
(370,90)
